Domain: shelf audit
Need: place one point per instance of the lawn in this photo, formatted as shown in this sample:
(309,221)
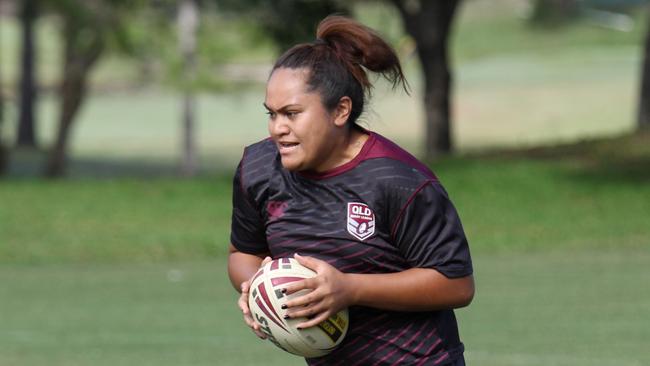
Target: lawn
(590,196)
(125,271)
(573,308)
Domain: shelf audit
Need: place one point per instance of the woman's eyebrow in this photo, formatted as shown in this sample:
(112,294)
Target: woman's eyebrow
(281,108)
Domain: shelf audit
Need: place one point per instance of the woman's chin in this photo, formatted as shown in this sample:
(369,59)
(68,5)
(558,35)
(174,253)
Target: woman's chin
(290,164)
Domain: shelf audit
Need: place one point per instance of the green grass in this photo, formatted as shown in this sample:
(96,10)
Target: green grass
(124,271)
(113,220)
(589,196)
(519,205)
(488,28)
(579,308)
(566,309)
(176,314)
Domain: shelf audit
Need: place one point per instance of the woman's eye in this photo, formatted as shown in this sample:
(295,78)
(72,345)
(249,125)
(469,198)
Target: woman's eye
(291,114)
(271,114)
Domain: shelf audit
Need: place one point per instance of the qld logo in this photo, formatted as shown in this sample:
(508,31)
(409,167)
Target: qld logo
(361,220)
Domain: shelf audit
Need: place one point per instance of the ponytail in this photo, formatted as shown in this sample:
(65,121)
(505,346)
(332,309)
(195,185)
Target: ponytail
(338,59)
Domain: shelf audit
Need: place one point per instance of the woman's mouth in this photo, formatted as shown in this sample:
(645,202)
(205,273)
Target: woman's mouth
(286,147)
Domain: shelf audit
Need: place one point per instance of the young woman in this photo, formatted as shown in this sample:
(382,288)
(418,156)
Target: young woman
(374,223)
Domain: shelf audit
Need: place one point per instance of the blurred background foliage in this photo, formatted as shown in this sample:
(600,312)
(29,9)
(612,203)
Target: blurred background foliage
(501,45)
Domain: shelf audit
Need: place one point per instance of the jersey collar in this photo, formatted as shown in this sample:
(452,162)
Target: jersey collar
(361,156)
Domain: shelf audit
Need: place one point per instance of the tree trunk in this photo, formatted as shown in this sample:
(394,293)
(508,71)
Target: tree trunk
(643,122)
(554,12)
(28,89)
(429,23)
(83,46)
(72,93)
(3,153)
(304,15)
(437,102)
(188,22)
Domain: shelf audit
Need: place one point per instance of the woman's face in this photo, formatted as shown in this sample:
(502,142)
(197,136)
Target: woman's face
(306,133)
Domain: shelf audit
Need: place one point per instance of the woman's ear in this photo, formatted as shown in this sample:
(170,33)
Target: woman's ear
(342,111)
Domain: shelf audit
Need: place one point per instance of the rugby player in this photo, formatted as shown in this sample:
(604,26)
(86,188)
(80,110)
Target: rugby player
(374,223)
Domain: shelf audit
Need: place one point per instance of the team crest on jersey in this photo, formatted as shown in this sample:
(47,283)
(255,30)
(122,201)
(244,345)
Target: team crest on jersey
(361,220)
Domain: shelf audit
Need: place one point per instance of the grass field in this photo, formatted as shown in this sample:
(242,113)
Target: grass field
(124,271)
(594,197)
(577,308)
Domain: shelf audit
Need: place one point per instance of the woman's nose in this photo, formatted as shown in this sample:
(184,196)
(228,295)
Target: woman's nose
(278,126)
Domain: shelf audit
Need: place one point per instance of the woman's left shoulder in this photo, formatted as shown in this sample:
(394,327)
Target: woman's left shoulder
(396,162)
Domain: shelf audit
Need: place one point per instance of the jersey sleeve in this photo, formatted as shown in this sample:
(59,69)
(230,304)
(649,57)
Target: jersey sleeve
(247,231)
(429,234)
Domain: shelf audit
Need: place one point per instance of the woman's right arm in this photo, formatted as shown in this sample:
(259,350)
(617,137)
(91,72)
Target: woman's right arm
(241,267)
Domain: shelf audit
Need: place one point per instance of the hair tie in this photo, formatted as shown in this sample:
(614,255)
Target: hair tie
(320,41)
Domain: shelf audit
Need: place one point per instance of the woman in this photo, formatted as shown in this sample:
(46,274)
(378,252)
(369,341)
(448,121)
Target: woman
(373,222)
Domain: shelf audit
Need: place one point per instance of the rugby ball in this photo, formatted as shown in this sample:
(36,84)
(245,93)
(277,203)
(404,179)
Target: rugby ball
(265,303)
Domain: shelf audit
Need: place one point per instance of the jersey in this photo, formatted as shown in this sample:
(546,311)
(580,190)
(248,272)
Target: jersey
(382,212)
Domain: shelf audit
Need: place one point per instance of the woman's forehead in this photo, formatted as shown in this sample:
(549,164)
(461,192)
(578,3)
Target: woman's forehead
(287,86)
(287,79)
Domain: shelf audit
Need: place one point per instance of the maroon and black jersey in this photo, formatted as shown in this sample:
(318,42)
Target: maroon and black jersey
(382,212)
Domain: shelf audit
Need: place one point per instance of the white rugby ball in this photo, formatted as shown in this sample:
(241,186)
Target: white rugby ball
(265,302)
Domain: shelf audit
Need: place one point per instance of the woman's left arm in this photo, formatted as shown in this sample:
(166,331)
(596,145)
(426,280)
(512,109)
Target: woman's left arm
(416,289)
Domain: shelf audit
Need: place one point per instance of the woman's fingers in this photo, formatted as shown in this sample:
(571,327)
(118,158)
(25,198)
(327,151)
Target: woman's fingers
(248,317)
(320,297)
(309,262)
(314,321)
(308,311)
(313,314)
(258,332)
(242,302)
(307,283)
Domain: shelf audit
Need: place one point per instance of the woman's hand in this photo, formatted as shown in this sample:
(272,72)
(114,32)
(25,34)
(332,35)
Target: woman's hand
(331,291)
(243,305)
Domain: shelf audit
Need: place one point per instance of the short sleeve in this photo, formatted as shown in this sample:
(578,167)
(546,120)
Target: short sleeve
(429,234)
(247,231)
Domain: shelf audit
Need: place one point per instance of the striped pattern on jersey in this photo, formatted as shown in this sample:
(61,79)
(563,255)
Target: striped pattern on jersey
(324,215)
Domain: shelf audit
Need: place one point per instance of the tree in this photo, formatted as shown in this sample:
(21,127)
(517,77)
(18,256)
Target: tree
(554,12)
(188,66)
(429,24)
(139,28)
(304,14)
(3,153)
(287,22)
(87,27)
(643,119)
(188,22)
(28,88)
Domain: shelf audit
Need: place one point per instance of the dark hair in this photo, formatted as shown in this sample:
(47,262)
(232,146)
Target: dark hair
(338,59)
